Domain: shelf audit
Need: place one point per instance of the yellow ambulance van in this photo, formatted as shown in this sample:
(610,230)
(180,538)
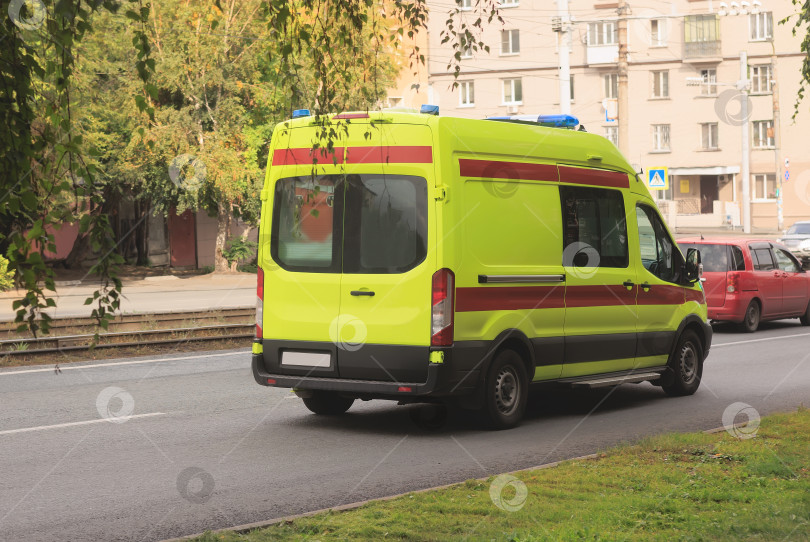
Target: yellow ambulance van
(421,258)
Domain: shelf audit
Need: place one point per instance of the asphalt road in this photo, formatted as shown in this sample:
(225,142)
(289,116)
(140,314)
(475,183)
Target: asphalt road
(205,447)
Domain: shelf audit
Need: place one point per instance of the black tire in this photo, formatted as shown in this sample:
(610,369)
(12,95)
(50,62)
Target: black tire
(328,403)
(752,317)
(805,320)
(685,366)
(506,390)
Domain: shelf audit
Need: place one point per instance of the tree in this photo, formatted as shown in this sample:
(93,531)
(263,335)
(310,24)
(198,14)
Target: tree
(801,25)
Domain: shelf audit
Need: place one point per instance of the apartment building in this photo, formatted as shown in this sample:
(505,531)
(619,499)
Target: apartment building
(685,110)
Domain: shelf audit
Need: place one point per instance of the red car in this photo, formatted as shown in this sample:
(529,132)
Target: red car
(751,280)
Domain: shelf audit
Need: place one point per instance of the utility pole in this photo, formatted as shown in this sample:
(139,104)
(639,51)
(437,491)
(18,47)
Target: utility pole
(565,61)
(742,85)
(624,102)
(777,154)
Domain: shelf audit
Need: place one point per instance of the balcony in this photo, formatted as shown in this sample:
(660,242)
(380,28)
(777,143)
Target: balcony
(702,50)
(603,54)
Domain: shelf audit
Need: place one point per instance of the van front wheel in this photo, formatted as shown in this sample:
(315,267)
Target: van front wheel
(327,403)
(685,366)
(506,390)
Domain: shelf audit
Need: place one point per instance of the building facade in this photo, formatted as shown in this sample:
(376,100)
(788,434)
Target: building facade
(685,114)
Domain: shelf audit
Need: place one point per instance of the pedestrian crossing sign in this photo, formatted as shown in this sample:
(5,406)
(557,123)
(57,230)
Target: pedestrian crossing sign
(657,178)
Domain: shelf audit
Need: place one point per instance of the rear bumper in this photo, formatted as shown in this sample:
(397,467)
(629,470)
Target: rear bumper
(398,372)
(733,310)
(361,387)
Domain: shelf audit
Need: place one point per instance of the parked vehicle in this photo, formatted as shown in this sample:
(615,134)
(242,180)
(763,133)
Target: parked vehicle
(797,240)
(433,259)
(750,280)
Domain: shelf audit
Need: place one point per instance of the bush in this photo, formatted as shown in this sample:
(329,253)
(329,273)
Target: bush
(239,249)
(6,276)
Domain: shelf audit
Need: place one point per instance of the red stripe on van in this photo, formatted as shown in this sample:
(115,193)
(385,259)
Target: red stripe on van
(405,154)
(384,154)
(661,294)
(493,298)
(291,157)
(489,169)
(509,298)
(594,177)
(603,295)
(695,295)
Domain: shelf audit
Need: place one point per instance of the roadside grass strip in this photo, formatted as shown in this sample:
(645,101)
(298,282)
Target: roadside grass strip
(693,486)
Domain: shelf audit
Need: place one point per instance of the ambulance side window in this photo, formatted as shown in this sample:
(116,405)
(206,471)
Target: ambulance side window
(658,252)
(594,227)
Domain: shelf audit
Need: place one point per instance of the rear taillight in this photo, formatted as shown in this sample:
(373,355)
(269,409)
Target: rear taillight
(259,302)
(442,315)
(732,282)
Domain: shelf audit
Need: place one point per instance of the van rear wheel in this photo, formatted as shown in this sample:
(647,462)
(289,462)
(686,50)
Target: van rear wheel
(685,366)
(327,403)
(506,390)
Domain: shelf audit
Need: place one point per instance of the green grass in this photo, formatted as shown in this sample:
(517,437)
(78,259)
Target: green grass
(673,487)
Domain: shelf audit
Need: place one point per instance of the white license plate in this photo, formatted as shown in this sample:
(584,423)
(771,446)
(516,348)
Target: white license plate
(306,359)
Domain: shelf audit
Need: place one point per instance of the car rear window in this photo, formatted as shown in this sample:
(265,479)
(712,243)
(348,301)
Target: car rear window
(713,257)
(737,260)
(350,224)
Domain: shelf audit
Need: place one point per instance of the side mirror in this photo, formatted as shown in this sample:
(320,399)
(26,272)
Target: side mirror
(693,269)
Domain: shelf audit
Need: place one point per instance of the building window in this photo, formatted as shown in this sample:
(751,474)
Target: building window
(761,79)
(763,134)
(761,26)
(708,136)
(764,186)
(466,51)
(660,84)
(510,42)
(466,96)
(512,92)
(603,33)
(394,101)
(658,36)
(660,134)
(612,86)
(709,86)
(612,134)
(464,4)
(509,3)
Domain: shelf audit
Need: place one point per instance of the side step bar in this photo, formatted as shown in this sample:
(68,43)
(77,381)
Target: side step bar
(604,382)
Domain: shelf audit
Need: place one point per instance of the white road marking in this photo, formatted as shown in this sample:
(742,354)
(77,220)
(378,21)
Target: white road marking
(86,422)
(49,368)
(717,345)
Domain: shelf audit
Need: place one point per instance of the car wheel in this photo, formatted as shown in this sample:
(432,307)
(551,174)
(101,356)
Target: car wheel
(805,320)
(750,322)
(327,403)
(685,366)
(506,390)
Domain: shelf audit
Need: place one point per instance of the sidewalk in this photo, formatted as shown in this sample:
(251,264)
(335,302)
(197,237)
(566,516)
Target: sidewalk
(150,294)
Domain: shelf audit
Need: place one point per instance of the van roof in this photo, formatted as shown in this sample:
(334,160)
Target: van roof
(489,136)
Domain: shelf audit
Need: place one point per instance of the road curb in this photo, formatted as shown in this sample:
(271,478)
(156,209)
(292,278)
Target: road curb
(354,505)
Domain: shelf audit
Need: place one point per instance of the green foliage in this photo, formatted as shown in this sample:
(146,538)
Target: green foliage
(6,276)
(801,26)
(240,249)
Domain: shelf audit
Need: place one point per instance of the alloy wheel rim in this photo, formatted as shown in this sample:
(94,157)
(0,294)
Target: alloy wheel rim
(507,391)
(688,363)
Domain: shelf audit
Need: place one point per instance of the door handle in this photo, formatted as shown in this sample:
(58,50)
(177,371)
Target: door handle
(628,284)
(646,286)
(363,292)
